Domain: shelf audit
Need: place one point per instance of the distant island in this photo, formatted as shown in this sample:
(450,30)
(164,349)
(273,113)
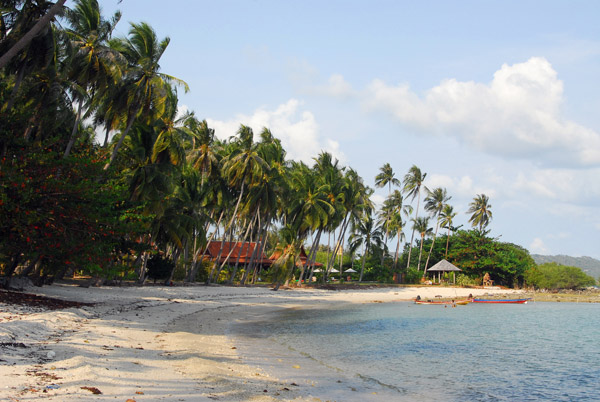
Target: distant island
(589,265)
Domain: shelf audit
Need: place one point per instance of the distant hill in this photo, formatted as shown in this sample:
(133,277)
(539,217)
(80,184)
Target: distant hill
(589,265)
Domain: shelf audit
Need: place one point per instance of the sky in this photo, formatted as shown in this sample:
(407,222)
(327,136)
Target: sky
(486,97)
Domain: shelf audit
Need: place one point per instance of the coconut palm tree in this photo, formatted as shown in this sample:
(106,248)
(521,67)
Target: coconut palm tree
(37,55)
(330,174)
(413,181)
(481,211)
(23,41)
(421,225)
(171,132)
(446,220)
(397,230)
(93,64)
(356,203)
(143,88)
(434,204)
(203,154)
(367,234)
(241,167)
(386,178)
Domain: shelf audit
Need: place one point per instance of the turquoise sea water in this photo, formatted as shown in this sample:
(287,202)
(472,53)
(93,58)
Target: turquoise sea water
(531,352)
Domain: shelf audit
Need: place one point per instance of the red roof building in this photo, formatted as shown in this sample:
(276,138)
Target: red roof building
(242,249)
(303,258)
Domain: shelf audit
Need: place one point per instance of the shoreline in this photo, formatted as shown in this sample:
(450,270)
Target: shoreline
(166,343)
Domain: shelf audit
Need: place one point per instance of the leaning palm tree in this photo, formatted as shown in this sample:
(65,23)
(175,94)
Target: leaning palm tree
(434,204)
(421,224)
(480,208)
(32,33)
(413,181)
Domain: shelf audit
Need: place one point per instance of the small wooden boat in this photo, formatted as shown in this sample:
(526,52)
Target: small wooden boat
(445,302)
(501,301)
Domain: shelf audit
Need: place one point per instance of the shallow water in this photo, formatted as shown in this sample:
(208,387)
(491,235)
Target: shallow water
(536,351)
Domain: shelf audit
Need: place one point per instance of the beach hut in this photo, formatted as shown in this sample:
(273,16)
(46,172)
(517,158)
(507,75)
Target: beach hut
(444,266)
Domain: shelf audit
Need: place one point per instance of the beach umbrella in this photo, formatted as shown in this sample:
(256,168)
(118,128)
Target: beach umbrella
(350,270)
(318,270)
(334,270)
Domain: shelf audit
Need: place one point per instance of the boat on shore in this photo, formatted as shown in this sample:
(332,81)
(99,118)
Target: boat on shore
(501,301)
(444,302)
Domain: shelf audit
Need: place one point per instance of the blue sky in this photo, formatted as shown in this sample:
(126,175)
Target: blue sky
(500,98)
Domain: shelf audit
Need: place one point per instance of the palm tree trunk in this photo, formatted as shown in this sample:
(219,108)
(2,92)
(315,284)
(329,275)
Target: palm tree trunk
(304,266)
(74,131)
(33,32)
(447,243)
(237,262)
(326,273)
(362,266)
(385,239)
(250,264)
(175,258)
(342,233)
(431,248)
(198,261)
(15,90)
(242,243)
(313,259)
(397,252)
(258,267)
(226,260)
(341,257)
(412,236)
(312,255)
(32,264)
(421,253)
(237,205)
(113,156)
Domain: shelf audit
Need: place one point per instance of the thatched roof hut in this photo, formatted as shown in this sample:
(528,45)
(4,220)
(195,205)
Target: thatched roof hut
(445,266)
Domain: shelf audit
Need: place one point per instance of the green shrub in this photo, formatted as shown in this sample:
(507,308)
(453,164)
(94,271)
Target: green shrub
(555,276)
(413,276)
(465,280)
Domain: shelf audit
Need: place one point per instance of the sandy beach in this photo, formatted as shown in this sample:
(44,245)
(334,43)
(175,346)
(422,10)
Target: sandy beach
(171,343)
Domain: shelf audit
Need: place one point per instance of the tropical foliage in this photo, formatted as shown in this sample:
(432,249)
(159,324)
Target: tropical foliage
(101,175)
(555,276)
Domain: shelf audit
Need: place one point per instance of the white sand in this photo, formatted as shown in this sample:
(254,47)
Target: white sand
(169,343)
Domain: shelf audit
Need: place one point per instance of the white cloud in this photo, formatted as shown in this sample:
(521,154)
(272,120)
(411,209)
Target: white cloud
(336,87)
(579,187)
(458,186)
(560,235)
(538,247)
(516,115)
(297,129)
(377,199)
(308,80)
(181,110)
